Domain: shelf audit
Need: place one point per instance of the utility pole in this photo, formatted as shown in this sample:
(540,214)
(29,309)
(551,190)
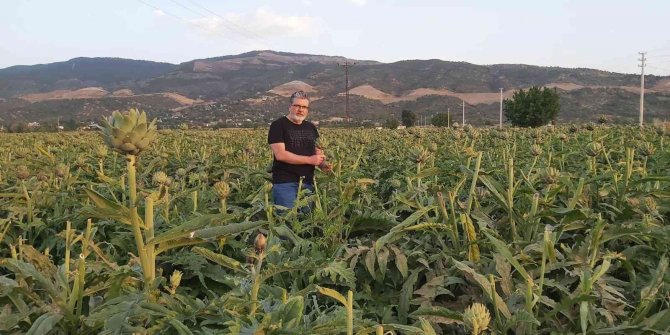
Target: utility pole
(501,105)
(448,117)
(642,59)
(463,124)
(346,66)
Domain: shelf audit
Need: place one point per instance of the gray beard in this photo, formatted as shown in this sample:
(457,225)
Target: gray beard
(296,119)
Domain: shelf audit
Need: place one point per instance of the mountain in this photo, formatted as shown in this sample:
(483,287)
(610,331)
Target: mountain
(251,88)
(78,73)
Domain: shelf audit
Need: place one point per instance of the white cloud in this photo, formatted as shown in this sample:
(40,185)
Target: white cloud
(159,12)
(264,23)
(307,2)
(359,2)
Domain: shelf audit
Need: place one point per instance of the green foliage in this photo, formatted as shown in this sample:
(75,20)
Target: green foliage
(408,118)
(391,123)
(570,226)
(441,120)
(532,108)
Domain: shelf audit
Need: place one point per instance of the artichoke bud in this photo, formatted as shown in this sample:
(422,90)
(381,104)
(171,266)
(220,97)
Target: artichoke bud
(175,280)
(647,149)
(470,152)
(634,202)
(22,152)
(650,205)
(222,189)
(101,151)
(260,242)
(477,317)
(61,170)
(593,149)
(128,133)
(160,178)
(22,172)
(536,150)
(550,175)
(41,176)
(419,155)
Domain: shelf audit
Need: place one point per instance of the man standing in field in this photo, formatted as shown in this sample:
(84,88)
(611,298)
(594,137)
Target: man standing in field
(293,143)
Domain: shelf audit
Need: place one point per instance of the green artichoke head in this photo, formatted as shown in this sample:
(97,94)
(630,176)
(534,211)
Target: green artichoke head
(128,133)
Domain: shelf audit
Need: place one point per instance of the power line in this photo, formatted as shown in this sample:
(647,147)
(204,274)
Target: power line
(240,28)
(660,56)
(658,68)
(642,60)
(346,67)
(189,22)
(659,49)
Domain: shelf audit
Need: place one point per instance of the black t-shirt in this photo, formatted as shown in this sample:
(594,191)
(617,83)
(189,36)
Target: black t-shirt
(299,139)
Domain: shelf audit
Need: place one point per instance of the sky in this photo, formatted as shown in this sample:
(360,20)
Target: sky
(599,34)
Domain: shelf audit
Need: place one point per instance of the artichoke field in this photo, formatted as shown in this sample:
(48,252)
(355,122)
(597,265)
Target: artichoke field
(561,230)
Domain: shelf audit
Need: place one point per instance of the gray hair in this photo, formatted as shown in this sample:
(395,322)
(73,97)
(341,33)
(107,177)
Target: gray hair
(299,95)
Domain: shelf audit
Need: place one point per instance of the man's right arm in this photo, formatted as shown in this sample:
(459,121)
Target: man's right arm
(283,155)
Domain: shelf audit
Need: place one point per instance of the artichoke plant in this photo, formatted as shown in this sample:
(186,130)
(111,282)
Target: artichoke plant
(477,318)
(128,133)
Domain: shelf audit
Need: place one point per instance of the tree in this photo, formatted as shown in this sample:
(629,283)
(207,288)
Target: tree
(440,120)
(408,118)
(533,108)
(391,123)
(70,124)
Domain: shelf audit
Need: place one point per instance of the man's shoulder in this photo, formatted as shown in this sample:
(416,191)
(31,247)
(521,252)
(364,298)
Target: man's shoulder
(308,124)
(279,123)
(279,120)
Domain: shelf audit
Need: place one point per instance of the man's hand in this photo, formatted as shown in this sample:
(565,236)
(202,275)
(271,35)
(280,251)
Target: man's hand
(317,159)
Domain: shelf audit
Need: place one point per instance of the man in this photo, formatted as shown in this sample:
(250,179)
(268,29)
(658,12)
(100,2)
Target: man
(293,143)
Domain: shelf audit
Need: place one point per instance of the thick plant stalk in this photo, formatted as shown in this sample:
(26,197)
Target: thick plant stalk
(123,188)
(134,217)
(350,313)
(469,228)
(379,330)
(495,301)
(510,197)
(224,207)
(68,242)
(473,185)
(194,198)
(149,232)
(166,210)
(256,284)
(29,202)
(454,228)
(132,180)
(82,266)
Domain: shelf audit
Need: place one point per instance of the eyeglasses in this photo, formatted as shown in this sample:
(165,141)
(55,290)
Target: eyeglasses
(301,106)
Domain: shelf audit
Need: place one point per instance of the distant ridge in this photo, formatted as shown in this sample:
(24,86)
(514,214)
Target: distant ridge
(251,87)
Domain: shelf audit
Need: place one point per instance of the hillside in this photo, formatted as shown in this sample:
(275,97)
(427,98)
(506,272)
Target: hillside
(251,88)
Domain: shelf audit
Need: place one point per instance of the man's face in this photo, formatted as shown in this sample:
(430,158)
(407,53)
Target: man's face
(298,110)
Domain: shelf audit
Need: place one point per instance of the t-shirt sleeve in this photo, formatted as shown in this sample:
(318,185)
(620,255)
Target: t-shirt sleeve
(316,132)
(276,133)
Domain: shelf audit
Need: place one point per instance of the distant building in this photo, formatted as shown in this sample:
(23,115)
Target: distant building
(334,119)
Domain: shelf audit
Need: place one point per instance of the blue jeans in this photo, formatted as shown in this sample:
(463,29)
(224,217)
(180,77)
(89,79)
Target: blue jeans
(285,194)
